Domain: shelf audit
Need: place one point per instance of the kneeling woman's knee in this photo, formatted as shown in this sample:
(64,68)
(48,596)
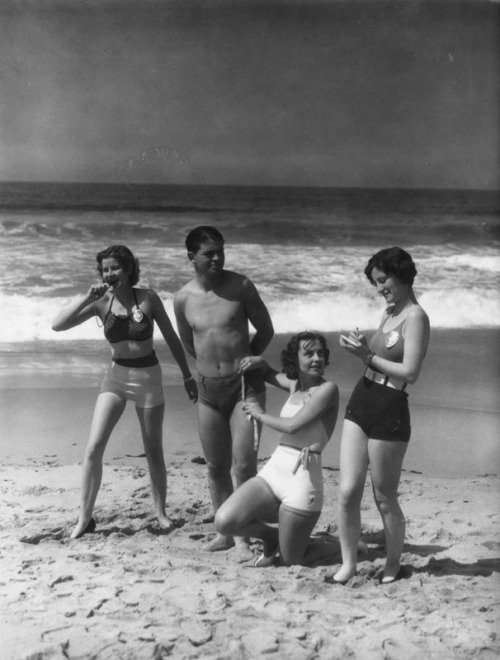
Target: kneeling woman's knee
(223,520)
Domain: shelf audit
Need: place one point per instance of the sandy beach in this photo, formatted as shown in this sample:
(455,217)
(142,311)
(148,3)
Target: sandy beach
(129,591)
(312,135)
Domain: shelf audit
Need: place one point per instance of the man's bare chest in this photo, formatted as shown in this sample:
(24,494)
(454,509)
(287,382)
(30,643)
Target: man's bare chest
(210,312)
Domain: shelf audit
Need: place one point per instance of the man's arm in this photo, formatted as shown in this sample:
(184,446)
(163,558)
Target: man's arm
(259,317)
(185,330)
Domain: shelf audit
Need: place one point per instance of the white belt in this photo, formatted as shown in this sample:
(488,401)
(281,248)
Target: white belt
(382,379)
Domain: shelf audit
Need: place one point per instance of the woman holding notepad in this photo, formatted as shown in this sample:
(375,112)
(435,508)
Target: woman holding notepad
(377,420)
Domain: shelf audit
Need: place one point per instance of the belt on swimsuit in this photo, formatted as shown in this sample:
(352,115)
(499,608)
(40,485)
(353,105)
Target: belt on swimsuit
(303,458)
(137,363)
(382,379)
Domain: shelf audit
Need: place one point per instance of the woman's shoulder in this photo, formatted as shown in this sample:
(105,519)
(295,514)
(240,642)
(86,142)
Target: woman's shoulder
(417,313)
(143,293)
(327,388)
(148,298)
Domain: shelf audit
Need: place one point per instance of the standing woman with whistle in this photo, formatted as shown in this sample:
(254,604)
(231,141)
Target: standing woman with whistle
(291,482)
(377,420)
(127,314)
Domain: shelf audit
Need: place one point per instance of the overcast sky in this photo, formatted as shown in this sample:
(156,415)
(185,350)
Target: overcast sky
(336,93)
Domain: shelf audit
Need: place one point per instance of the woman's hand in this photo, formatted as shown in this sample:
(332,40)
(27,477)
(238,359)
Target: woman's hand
(252,362)
(252,409)
(97,291)
(191,388)
(356,344)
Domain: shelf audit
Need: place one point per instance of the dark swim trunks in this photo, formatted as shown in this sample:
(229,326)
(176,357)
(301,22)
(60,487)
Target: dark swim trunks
(381,412)
(223,394)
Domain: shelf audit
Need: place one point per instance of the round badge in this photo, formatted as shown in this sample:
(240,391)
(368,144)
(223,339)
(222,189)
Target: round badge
(391,339)
(137,315)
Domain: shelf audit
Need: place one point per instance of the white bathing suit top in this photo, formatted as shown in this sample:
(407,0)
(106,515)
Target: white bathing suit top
(312,434)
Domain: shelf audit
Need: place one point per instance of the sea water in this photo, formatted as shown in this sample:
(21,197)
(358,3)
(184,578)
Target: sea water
(304,248)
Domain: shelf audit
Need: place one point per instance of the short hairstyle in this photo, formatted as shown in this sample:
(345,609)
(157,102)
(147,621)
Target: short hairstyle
(289,355)
(200,235)
(392,261)
(124,256)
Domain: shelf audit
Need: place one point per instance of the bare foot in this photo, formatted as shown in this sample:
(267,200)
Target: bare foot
(85,527)
(271,542)
(219,543)
(343,575)
(166,523)
(392,573)
(270,549)
(243,552)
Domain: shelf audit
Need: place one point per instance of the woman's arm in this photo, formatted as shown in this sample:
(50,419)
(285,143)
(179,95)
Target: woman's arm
(270,375)
(81,310)
(174,343)
(323,399)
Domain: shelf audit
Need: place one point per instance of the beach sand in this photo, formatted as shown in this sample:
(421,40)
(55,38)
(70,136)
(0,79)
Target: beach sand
(129,591)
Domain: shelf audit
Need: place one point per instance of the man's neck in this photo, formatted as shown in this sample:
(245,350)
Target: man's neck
(209,282)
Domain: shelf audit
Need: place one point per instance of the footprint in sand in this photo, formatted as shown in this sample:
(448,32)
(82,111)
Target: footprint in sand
(52,535)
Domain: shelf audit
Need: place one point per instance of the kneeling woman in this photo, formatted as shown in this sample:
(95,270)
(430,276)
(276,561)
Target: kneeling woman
(291,482)
(127,314)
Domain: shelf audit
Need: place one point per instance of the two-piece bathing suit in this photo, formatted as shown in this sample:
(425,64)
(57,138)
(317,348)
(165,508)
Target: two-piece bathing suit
(293,473)
(379,404)
(135,379)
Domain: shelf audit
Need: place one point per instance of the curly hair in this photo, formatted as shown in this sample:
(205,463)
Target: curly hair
(289,355)
(124,256)
(200,235)
(392,261)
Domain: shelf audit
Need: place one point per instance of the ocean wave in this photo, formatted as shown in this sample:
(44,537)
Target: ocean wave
(30,319)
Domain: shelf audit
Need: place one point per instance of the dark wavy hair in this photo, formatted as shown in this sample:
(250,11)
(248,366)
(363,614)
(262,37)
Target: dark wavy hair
(392,261)
(124,256)
(200,235)
(289,355)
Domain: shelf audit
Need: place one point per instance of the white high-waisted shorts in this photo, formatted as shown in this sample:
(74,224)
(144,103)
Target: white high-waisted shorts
(142,385)
(301,490)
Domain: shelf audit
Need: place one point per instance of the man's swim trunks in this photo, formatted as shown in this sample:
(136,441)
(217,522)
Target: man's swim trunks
(223,394)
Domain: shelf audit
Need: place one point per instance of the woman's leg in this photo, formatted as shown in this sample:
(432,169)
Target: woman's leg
(151,421)
(353,469)
(108,410)
(294,537)
(241,513)
(386,460)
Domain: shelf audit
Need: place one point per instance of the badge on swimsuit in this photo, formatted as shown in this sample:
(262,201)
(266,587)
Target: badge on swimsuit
(137,315)
(391,339)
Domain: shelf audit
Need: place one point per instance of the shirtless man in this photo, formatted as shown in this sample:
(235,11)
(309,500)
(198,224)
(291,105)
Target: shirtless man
(212,312)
